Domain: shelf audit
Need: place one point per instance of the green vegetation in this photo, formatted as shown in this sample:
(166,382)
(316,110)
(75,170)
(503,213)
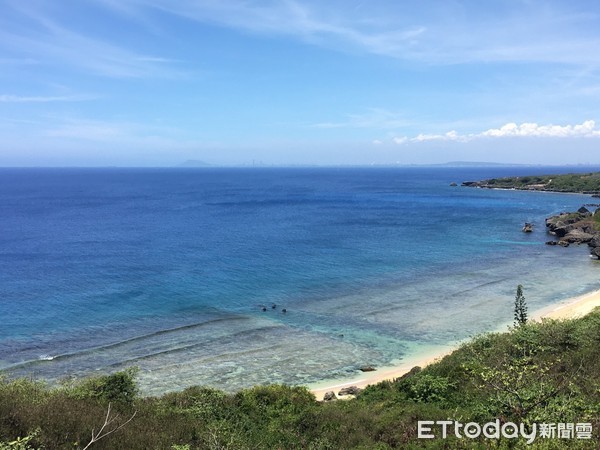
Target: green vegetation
(596,218)
(520,307)
(573,182)
(546,372)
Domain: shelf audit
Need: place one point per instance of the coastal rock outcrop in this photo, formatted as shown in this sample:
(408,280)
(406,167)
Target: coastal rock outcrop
(595,241)
(580,227)
(578,236)
(471,183)
(329,396)
(565,223)
(350,390)
(367,369)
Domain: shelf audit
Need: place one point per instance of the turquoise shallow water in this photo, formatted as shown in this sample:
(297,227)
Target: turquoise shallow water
(169,269)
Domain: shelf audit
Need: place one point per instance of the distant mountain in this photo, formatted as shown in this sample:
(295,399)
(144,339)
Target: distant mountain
(194,163)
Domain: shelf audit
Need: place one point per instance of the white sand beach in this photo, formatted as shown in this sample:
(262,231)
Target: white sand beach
(571,308)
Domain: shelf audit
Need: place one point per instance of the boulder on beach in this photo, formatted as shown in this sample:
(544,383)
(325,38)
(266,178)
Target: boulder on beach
(350,390)
(329,396)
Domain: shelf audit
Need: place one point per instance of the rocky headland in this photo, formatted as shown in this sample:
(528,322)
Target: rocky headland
(579,227)
(582,183)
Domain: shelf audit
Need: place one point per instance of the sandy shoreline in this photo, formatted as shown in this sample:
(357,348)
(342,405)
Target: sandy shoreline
(570,308)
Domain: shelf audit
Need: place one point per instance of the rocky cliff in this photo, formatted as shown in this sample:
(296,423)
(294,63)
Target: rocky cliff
(580,227)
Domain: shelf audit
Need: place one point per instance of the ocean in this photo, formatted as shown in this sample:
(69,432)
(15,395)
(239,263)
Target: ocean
(185,273)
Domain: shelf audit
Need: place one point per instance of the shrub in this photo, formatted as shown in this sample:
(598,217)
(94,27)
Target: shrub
(20,443)
(119,387)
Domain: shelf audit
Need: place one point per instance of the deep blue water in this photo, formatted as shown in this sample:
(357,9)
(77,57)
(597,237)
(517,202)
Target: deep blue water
(169,269)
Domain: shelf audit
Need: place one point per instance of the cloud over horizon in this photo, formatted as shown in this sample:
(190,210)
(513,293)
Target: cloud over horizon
(586,129)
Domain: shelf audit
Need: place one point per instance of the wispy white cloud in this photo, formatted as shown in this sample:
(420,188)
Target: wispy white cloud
(18,61)
(520,32)
(116,131)
(91,55)
(586,129)
(329,26)
(93,130)
(377,118)
(44,99)
(42,39)
(516,32)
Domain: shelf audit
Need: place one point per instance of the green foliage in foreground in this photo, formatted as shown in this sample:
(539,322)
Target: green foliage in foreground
(545,372)
(573,182)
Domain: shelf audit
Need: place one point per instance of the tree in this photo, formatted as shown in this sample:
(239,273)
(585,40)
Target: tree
(520,307)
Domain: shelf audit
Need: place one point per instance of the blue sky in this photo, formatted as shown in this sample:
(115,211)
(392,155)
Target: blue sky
(158,82)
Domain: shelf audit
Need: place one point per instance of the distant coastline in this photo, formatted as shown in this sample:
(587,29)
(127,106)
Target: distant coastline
(580,183)
(580,227)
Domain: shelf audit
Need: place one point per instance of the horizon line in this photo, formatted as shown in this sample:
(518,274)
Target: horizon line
(464,164)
